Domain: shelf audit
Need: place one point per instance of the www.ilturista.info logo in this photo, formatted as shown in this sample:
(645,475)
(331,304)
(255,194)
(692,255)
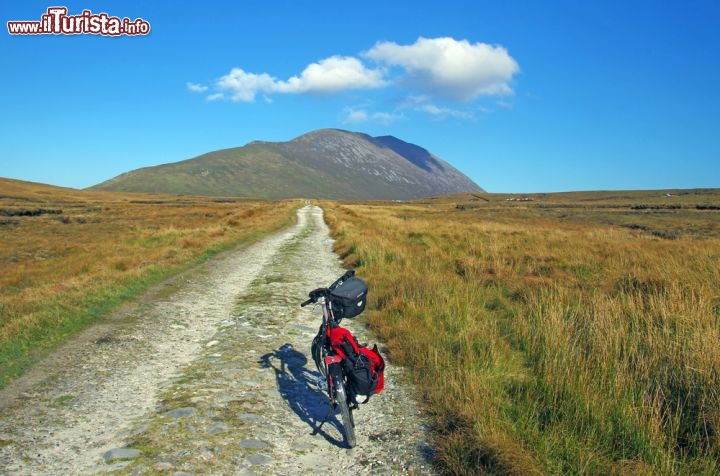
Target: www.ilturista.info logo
(57,22)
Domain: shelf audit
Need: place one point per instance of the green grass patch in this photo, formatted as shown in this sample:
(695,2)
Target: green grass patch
(61,318)
(546,336)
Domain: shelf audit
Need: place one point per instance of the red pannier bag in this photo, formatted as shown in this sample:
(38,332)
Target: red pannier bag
(364,367)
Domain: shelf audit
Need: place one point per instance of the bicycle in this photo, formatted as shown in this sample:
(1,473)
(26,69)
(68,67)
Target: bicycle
(327,360)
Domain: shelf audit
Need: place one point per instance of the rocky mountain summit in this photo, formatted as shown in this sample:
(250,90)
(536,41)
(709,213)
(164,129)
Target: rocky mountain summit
(327,163)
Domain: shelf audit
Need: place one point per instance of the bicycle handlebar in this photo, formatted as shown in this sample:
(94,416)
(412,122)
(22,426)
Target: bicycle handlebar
(324,292)
(315,294)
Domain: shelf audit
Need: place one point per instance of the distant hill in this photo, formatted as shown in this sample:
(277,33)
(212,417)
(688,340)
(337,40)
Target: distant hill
(327,163)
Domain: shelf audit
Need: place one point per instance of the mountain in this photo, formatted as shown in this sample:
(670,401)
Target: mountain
(327,163)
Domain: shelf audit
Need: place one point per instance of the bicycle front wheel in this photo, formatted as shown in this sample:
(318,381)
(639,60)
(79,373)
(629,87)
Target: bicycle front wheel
(346,413)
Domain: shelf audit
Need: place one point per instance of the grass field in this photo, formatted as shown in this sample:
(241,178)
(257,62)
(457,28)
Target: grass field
(573,333)
(569,333)
(70,256)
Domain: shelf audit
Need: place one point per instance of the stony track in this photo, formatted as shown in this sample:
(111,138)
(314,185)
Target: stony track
(209,373)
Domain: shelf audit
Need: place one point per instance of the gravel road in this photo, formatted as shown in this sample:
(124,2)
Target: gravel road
(209,373)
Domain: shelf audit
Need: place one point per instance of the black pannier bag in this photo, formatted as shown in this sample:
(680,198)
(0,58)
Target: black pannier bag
(348,298)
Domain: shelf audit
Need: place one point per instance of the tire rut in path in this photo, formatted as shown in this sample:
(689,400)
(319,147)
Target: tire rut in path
(211,375)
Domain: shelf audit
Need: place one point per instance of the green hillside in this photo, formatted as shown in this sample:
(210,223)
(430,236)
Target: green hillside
(329,164)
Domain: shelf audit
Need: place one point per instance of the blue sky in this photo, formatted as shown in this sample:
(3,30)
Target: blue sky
(521,96)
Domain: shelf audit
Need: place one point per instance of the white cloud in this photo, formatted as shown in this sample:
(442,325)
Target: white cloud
(423,103)
(431,72)
(445,67)
(386,117)
(243,86)
(354,116)
(331,75)
(443,112)
(413,102)
(198,88)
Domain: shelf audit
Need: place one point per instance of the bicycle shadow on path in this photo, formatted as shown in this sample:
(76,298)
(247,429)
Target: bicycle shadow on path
(298,386)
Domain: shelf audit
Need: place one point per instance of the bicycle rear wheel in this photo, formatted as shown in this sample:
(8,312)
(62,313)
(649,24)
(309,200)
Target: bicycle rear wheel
(346,413)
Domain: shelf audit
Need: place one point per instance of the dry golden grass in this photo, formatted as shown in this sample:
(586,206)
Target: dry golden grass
(570,334)
(68,255)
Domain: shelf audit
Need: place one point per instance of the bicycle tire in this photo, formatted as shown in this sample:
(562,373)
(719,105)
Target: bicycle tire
(317,354)
(346,413)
